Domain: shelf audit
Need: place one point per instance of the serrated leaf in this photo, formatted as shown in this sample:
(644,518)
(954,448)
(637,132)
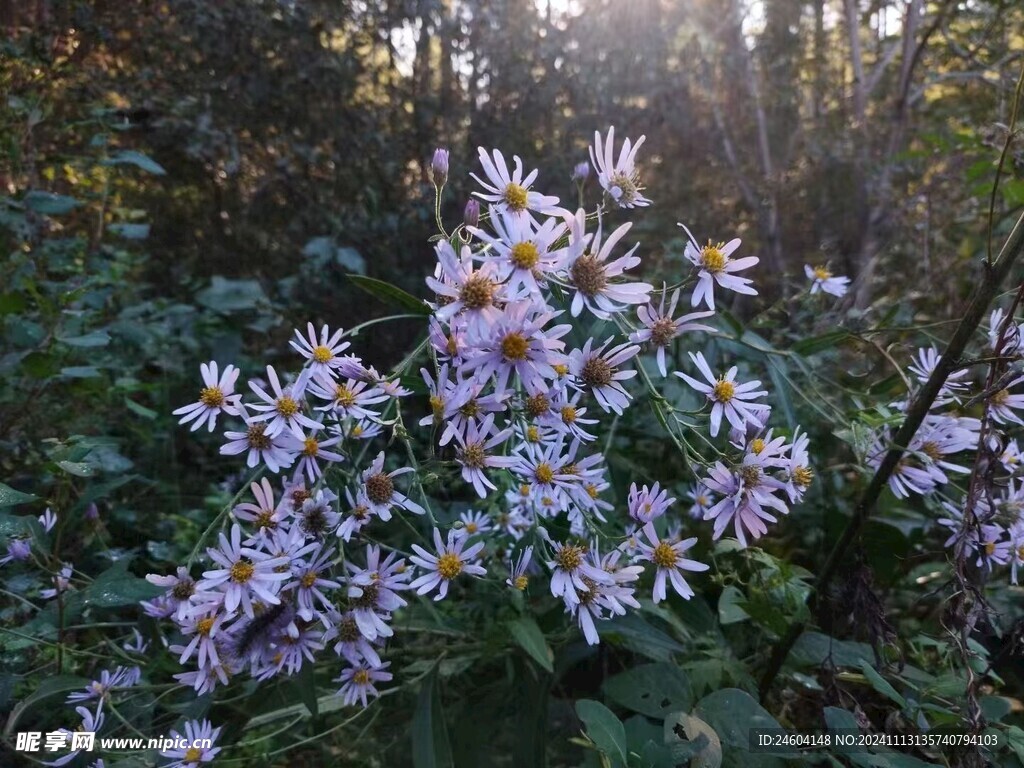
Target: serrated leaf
(525,631)
(430,746)
(12,498)
(139,160)
(603,727)
(390,294)
(654,690)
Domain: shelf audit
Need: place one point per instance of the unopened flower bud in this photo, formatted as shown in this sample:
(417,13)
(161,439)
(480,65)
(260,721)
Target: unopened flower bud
(580,172)
(471,216)
(92,512)
(439,167)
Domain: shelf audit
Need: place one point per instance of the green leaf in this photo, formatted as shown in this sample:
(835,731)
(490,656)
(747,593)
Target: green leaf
(732,713)
(130,231)
(430,746)
(80,372)
(390,294)
(12,498)
(139,160)
(881,685)
(690,737)
(116,587)
(525,631)
(814,648)
(48,688)
(94,339)
(77,468)
(306,685)
(830,340)
(141,410)
(603,727)
(225,296)
(730,610)
(654,690)
(638,635)
(50,204)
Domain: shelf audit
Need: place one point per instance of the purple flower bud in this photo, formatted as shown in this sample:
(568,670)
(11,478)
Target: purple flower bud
(439,167)
(471,216)
(581,172)
(92,512)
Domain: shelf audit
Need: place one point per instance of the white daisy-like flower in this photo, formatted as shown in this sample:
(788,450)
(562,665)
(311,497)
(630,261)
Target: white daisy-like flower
(716,265)
(522,251)
(323,353)
(310,451)
(924,365)
(260,447)
(593,277)
(216,396)
(196,732)
(661,328)
(824,281)
(619,177)
(1003,406)
(510,192)
(670,562)
(452,559)
(728,398)
(517,572)
(573,573)
(283,409)
(475,522)
(244,572)
(357,683)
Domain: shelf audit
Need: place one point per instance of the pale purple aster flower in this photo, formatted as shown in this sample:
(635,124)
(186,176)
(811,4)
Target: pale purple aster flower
(510,192)
(323,353)
(18,550)
(746,493)
(566,416)
(310,451)
(824,281)
(702,499)
(1002,405)
(542,468)
(316,517)
(1011,457)
(993,549)
(283,410)
(661,327)
(474,453)
(716,265)
(518,343)
(471,294)
(1017,549)
(204,624)
(373,591)
(263,515)
(352,645)
(596,370)
(647,504)
(61,583)
(465,404)
(517,572)
(618,177)
(924,365)
(1011,339)
(180,589)
(475,522)
(380,492)
(593,277)
(244,573)
(572,572)
(356,518)
(216,396)
(350,398)
(137,644)
(109,680)
(670,562)
(452,559)
(204,679)
(48,519)
(523,253)
(449,343)
(905,478)
(728,398)
(309,583)
(357,683)
(190,757)
(471,213)
(91,723)
(261,448)
(580,173)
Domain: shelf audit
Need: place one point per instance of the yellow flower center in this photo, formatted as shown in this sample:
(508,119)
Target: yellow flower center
(437,406)
(521,582)
(361,677)
(803,476)
(591,490)
(265,519)
(533,434)
(568,414)
(569,557)
(356,431)
(287,407)
(308,580)
(724,391)
(544,473)
(664,556)
(242,571)
(1000,397)
(322,354)
(452,346)
(344,396)
(756,445)
(516,197)
(990,547)
(212,397)
(449,566)
(514,346)
(310,447)
(472,527)
(701,501)
(820,273)
(471,408)
(474,455)
(931,450)
(712,258)
(192,755)
(524,255)
(203,626)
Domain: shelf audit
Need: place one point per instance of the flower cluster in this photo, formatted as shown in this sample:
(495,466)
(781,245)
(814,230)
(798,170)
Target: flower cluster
(517,395)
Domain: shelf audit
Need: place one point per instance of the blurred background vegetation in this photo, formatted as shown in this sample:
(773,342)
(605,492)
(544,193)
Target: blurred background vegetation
(187,179)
